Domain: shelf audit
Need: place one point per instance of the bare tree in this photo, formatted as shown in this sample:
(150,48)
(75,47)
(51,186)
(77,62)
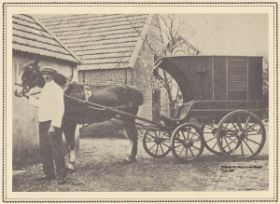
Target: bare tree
(265,76)
(176,45)
(265,86)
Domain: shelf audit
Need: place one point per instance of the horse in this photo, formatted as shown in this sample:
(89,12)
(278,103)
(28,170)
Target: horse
(124,97)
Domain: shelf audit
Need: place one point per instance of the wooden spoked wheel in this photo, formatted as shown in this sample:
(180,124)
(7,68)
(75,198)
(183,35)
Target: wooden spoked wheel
(156,142)
(186,143)
(241,135)
(210,139)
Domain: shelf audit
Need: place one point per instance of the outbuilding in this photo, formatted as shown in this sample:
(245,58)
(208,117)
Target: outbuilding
(32,41)
(113,48)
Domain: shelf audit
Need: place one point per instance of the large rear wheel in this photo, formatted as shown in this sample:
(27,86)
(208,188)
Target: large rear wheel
(241,135)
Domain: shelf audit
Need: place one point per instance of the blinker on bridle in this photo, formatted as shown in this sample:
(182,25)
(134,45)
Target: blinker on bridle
(26,88)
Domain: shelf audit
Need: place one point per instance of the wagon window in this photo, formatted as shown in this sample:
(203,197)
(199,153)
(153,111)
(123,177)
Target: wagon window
(237,78)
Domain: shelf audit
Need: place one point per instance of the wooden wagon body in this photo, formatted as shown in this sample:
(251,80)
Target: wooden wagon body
(222,108)
(215,85)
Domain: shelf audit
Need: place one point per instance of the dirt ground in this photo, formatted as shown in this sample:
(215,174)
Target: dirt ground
(99,168)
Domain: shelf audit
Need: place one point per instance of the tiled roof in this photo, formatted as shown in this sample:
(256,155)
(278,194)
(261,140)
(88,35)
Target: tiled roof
(31,37)
(100,41)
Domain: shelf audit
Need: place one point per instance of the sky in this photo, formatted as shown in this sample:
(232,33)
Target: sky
(226,34)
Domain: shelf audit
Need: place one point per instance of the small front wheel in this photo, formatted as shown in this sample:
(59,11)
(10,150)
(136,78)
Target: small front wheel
(186,143)
(156,142)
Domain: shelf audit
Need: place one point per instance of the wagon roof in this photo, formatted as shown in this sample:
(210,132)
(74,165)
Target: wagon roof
(100,41)
(31,37)
(166,63)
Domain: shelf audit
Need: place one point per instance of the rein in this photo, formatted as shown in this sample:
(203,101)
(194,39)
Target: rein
(65,87)
(96,106)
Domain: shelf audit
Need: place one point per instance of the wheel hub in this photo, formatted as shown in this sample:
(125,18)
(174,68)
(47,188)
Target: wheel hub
(158,140)
(188,143)
(214,130)
(241,134)
(223,133)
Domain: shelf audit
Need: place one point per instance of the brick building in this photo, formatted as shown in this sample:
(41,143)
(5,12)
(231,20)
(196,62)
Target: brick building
(115,48)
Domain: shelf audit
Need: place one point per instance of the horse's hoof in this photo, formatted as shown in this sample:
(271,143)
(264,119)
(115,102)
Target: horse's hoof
(69,171)
(70,167)
(129,161)
(72,156)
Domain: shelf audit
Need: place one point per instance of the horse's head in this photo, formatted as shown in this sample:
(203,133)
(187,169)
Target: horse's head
(30,78)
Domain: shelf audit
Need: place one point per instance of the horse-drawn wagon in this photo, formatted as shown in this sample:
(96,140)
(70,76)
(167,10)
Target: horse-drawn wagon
(221,110)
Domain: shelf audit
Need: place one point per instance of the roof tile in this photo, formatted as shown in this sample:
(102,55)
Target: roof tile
(31,37)
(100,41)
(35,50)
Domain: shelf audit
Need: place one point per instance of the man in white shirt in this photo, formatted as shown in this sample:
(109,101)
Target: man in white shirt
(51,110)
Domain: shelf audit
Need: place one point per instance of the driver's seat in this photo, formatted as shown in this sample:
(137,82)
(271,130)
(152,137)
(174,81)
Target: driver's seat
(181,115)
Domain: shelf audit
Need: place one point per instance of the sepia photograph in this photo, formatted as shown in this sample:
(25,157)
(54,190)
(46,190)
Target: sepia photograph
(140,102)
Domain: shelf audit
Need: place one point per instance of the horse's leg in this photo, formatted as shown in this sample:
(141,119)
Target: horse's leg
(69,132)
(76,143)
(131,131)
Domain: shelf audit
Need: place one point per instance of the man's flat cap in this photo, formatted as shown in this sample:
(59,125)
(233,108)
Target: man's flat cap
(48,69)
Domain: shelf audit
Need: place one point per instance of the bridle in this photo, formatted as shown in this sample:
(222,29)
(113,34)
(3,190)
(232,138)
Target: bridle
(26,87)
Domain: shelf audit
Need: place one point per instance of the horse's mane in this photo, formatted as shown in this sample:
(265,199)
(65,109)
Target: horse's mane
(60,79)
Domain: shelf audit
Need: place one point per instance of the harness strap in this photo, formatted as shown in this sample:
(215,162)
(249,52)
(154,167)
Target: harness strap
(68,83)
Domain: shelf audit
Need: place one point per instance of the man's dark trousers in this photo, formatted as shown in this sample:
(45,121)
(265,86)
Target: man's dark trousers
(52,151)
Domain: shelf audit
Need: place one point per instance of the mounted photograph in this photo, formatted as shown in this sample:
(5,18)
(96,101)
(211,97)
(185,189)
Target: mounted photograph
(131,102)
